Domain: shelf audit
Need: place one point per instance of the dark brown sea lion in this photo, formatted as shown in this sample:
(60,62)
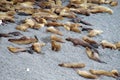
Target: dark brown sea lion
(77,41)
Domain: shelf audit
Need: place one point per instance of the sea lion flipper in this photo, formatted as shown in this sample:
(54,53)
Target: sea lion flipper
(95,50)
(36,38)
(102,61)
(95,45)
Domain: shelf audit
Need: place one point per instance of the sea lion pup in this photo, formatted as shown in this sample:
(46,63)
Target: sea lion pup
(91,41)
(77,41)
(53,30)
(24,40)
(56,38)
(94,32)
(72,65)
(102,72)
(106,44)
(55,46)
(86,74)
(18,49)
(37,46)
(93,55)
(117,45)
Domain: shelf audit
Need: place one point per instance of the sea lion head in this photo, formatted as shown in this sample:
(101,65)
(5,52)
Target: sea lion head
(68,39)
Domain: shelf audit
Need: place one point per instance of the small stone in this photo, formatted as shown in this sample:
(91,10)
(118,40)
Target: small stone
(27,69)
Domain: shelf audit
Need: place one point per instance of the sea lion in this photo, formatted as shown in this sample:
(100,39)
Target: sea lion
(93,55)
(94,32)
(91,41)
(65,12)
(22,27)
(56,38)
(99,9)
(86,74)
(58,2)
(37,46)
(7,16)
(106,44)
(82,11)
(30,22)
(78,1)
(48,15)
(77,41)
(75,29)
(72,27)
(10,34)
(53,30)
(68,14)
(19,49)
(55,46)
(40,20)
(24,40)
(102,72)
(97,1)
(72,65)
(25,11)
(33,24)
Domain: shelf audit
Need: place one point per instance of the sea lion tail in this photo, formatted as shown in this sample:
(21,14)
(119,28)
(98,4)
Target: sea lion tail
(102,61)
(36,38)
